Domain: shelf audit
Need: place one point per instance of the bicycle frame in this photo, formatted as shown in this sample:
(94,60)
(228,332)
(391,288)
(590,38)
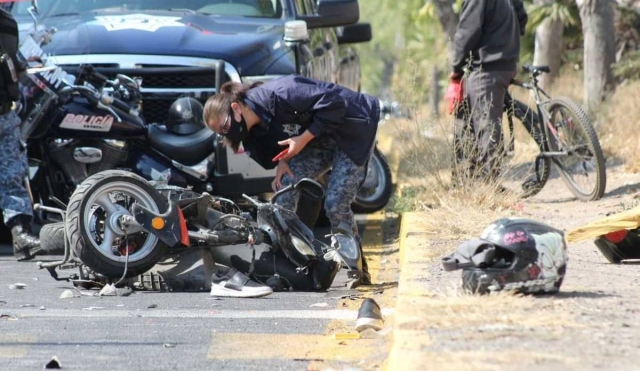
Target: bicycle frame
(544,117)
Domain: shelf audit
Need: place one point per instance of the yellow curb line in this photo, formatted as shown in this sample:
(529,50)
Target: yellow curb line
(392,363)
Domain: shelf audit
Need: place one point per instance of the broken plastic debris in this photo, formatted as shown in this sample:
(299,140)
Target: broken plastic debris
(346,336)
(169,345)
(54,363)
(66,294)
(9,316)
(151,306)
(320,305)
(125,291)
(43,308)
(17,286)
(370,334)
(108,290)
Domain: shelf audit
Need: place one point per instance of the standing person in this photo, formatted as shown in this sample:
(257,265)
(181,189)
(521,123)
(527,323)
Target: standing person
(14,198)
(487,42)
(325,126)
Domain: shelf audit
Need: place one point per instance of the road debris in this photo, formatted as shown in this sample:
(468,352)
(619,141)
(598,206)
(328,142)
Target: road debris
(27,306)
(17,286)
(319,305)
(108,290)
(125,291)
(151,306)
(169,345)
(54,363)
(43,308)
(9,316)
(66,294)
(92,308)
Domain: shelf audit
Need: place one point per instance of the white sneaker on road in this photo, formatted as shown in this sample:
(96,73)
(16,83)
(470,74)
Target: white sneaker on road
(231,283)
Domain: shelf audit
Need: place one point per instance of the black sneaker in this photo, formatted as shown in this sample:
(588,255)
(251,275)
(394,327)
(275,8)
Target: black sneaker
(369,316)
(231,283)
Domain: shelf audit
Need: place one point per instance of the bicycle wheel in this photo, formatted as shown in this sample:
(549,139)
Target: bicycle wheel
(525,172)
(582,169)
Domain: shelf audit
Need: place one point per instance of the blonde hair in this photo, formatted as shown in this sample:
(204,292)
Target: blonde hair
(220,103)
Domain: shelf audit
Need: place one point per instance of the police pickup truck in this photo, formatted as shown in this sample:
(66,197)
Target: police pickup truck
(179,48)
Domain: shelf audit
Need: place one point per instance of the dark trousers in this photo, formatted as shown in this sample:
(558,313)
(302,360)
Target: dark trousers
(478,138)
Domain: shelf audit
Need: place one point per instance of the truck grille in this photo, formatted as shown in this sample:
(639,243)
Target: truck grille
(162,84)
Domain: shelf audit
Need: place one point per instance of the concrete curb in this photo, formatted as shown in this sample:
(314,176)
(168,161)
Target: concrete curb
(408,339)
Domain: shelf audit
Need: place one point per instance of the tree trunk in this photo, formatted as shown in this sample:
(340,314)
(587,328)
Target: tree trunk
(549,45)
(599,50)
(448,20)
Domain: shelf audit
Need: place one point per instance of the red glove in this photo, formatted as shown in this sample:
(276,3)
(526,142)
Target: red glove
(455,93)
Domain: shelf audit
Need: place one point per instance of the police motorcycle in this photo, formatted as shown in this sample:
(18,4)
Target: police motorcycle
(118,225)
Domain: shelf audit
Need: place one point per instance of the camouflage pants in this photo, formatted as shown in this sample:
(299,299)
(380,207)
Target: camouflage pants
(319,156)
(14,197)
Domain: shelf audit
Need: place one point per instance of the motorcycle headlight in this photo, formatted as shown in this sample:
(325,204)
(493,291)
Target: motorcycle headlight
(302,246)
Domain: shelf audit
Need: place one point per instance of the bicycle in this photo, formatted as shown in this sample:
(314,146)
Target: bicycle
(564,120)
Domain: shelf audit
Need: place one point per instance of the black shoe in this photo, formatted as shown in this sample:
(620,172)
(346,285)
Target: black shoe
(369,316)
(25,245)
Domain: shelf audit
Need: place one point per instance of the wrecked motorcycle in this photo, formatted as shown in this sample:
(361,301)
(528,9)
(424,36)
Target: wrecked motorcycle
(118,225)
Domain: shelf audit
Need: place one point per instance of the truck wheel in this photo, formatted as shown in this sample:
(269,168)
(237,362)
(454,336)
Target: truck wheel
(93,224)
(375,192)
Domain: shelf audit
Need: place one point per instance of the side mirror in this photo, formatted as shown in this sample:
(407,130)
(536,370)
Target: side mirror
(355,33)
(128,82)
(333,13)
(310,188)
(33,11)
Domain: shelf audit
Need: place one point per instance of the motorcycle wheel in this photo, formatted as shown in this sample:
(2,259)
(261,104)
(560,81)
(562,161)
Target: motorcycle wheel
(52,238)
(93,224)
(375,192)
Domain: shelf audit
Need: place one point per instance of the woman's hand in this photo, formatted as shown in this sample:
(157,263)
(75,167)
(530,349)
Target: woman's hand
(296,144)
(283,168)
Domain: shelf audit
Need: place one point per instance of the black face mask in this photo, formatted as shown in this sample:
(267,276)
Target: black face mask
(237,131)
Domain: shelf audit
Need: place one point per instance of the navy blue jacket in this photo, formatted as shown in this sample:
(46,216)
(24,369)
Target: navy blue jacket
(292,104)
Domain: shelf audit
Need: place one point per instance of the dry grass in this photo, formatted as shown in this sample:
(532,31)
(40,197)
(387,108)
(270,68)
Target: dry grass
(618,130)
(425,169)
(614,123)
(424,145)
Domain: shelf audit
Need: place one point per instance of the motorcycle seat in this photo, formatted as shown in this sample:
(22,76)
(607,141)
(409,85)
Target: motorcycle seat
(190,149)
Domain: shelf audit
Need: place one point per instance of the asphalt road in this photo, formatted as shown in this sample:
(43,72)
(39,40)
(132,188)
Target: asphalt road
(156,331)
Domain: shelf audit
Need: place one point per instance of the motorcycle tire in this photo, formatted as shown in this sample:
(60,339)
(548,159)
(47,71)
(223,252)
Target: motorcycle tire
(84,245)
(52,238)
(369,201)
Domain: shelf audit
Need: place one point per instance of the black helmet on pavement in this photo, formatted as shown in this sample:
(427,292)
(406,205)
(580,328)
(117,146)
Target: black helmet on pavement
(513,254)
(185,116)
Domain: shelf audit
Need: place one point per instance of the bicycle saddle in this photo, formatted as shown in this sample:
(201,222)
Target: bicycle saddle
(536,69)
